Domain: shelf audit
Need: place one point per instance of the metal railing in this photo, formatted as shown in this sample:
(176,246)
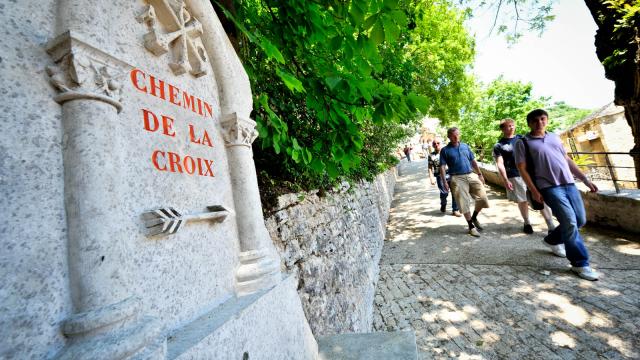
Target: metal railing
(609,168)
(603,170)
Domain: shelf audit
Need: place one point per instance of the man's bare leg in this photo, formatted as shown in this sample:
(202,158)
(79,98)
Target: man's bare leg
(524,211)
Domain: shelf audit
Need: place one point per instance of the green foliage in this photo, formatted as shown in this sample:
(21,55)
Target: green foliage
(583,161)
(501,99)
(563,116)
(338,84)
(625,17)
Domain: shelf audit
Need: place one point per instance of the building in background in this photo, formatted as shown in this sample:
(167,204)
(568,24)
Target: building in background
(604,130)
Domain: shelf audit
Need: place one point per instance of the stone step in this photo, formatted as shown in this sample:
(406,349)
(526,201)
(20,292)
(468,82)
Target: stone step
(397,345)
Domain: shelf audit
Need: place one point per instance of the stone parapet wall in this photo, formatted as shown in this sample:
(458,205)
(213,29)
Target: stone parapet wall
(333,244)
(615,210)
(603,208)
(490,174)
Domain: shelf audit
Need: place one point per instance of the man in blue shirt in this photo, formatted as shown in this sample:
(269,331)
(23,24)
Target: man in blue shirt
(553,182)
(513,183)
(467,186)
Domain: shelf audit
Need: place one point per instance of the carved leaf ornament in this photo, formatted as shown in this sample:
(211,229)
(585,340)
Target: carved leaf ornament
(173,29)
(78,75)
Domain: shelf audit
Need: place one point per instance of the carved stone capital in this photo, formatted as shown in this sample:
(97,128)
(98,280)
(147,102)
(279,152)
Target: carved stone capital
(84,72)
(238,131)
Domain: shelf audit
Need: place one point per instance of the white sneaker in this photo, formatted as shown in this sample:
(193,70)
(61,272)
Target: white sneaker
(586,272)
(557,250)
(561,251)
(474,232)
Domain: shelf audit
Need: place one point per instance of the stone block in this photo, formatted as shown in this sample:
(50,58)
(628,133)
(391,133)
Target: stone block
(274,318)
(399,345)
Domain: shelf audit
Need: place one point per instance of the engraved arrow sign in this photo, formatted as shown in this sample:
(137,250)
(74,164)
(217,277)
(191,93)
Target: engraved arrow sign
(168,220)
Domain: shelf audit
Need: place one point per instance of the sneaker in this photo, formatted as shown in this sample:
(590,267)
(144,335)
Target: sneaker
(557,250)
(586,272)
(456,213)
(527,229)
(474,232)
(443,208)
(476,223)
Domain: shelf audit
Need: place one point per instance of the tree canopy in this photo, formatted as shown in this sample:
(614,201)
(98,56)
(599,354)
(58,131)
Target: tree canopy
(502,99)
(491,103)
(337,84)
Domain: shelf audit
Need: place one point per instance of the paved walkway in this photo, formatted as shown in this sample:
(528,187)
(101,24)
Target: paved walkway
(503,295)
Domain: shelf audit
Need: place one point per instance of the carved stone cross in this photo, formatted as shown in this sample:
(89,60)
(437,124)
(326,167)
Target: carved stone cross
(182,30)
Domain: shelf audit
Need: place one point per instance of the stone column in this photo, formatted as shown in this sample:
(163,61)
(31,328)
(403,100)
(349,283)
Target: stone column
(106,323)
(259,262)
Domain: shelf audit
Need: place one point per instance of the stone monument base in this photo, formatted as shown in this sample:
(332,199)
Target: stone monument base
(266,325)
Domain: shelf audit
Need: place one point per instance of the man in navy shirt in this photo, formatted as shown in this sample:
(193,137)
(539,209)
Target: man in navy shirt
(553,183)
(515,186)
(467,186)
(433,161)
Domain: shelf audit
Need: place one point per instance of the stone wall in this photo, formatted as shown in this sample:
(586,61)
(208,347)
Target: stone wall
(333,244)
(615,210)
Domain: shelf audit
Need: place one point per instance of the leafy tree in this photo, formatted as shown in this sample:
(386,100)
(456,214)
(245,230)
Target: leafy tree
(500,99)
(617,45)
(618,48)
(337,84)
(563,116)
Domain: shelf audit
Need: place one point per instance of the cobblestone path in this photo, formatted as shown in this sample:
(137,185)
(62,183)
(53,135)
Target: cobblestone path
(503,295)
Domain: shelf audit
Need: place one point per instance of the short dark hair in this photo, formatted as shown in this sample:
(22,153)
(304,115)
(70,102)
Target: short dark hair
(534,114)
(451,130)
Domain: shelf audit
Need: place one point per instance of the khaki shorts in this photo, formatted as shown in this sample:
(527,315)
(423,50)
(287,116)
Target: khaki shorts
(519,192)
(467,189)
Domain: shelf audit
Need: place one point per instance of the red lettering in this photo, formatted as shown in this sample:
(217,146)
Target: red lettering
(154,159)
(206,140)
(192,136)
(158,86)
(167,126)
(134,79)
(151,85)
(200,167)
(174,162)
(207,164)
(209,108)
(200,106)
(188,102)
(173,95)
(147,123)
(189,160)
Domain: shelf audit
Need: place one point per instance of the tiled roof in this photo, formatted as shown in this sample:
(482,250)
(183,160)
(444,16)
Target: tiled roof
(609,109)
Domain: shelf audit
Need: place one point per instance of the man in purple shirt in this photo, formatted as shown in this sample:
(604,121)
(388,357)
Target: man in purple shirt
(553,183)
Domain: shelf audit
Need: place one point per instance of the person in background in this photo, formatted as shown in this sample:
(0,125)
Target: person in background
(467,182)
(433,161)
(407,152)
(553,183)
(515,186)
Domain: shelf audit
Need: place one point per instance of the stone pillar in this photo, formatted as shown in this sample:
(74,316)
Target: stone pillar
(106,323)
(259,262)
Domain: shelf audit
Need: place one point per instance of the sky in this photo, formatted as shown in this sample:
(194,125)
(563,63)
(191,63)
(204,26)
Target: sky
(562,63)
